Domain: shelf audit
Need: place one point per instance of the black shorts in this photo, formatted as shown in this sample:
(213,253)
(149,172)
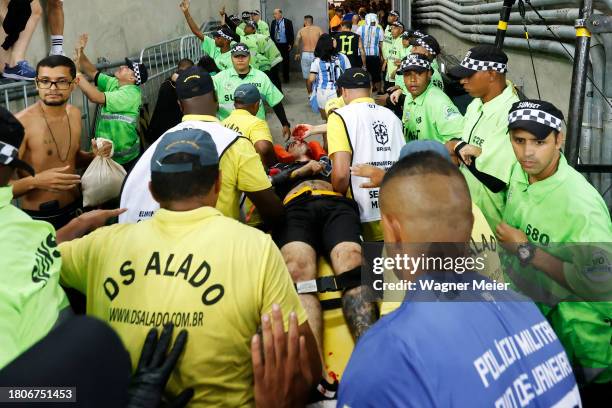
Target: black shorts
(322,222)
(373,67)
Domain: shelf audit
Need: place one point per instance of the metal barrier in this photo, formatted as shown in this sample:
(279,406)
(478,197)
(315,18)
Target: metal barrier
(161,60)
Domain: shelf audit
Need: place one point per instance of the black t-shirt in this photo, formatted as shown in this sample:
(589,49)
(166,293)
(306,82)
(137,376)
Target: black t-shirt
(283,184)
(347,43)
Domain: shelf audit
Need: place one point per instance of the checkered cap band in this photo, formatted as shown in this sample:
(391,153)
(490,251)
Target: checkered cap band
(535,115)
(417,33)
(478,65)
(221,34)
(136,69)
(423,44)
(256,13)
(240,47)
(414,61)
(7,153)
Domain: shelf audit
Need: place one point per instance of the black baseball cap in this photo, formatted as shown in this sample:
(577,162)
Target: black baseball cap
(408,33)
(246,15)
(481,58)
(194,142)
(536,117)
(428,42)
(140,71)
(252,24)
(11,136)
(397,24)
(235,19)
(354,78)
(414,62)
(256,13)
(192,82)
(240,49)
(394,13)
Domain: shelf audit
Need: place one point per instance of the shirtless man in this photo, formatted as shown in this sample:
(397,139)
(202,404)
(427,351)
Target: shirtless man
(320,221)
(52,145)
(309,34)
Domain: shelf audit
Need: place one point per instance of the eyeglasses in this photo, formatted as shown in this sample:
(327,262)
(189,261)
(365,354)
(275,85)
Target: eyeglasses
(62,84)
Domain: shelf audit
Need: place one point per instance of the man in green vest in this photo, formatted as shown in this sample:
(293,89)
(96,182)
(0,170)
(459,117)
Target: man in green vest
(484,149)
(429,114)
(557,230)
(120,99)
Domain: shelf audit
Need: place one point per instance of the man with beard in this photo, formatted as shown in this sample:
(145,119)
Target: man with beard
(52,145)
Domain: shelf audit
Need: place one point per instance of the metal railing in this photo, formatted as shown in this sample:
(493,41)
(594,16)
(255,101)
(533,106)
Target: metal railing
(161,60)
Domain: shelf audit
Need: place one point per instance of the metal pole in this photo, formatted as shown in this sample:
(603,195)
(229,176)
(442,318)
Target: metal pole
(579,77)
(504,16)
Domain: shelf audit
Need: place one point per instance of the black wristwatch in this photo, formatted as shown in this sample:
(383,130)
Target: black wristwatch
(525,253)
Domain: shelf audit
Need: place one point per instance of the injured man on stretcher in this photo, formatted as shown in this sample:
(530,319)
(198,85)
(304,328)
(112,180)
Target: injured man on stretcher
(320,222)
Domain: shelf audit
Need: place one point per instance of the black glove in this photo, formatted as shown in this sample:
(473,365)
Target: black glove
(154,369)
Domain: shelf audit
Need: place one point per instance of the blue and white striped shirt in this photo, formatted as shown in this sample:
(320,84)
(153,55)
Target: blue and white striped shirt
(371,37)
(328,72)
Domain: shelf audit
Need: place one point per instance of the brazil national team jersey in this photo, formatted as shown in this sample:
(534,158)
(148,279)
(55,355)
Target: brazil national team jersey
(30,296)
(204,272)
(486,126)
(433,352)
(565,216)
(227,81)
(431,116)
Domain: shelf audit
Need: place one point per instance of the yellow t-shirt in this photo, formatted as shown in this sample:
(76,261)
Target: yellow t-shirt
(248,125)
(241,171)
(483,244)
(333,104)
(202,271)
(338,141)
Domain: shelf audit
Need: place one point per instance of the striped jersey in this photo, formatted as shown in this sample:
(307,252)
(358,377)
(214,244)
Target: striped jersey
(371,36)
(328,72)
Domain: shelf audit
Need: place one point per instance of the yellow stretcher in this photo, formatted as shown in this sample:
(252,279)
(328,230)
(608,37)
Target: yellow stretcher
(338,343)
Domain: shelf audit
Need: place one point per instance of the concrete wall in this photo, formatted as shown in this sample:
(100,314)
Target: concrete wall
(554,73)
(118,28)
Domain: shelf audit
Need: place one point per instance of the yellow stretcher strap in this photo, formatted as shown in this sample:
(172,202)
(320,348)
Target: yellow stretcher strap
(310,191)
(582,32)
(502,25)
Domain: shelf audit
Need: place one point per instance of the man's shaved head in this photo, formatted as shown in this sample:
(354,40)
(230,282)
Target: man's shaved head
(424,198)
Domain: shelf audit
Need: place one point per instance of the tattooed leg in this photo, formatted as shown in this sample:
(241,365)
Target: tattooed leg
(359,314)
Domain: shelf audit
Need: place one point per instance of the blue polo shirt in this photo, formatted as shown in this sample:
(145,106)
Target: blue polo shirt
(470,353)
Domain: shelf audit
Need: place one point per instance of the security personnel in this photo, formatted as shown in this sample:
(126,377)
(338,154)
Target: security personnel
(187,266)
(428,47)
(428,111)
(550,204)
(362,132)
(240,164)
(219,48)
(243,120)
(227,81)
(394,52)
(485,150)
(388,36)
(262,26)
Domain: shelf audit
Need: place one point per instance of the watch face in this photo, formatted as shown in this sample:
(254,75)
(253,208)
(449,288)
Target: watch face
(523,253)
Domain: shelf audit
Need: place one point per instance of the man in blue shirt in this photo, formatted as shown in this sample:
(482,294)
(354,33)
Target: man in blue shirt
(490,349)
(281,31)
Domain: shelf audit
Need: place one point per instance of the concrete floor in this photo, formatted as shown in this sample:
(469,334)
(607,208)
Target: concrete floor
(296,106)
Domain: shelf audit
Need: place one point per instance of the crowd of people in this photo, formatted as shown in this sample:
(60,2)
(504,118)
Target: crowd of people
(219,231)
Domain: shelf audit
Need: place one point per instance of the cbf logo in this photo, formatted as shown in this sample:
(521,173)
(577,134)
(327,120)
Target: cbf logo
(381,134)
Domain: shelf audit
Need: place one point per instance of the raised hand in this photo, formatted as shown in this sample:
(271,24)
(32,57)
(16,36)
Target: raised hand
(184,6)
